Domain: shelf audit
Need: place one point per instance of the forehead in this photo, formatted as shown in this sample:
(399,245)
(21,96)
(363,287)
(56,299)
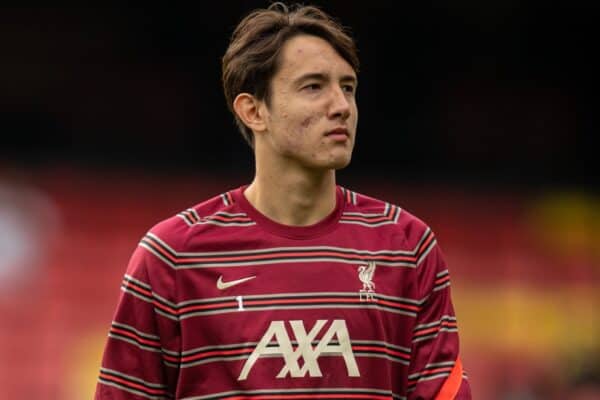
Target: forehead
(307,54)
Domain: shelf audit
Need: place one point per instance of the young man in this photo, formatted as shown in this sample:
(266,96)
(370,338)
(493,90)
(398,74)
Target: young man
(290,287)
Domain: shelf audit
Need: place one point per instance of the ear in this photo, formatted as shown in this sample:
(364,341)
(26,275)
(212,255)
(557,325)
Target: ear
(249,110)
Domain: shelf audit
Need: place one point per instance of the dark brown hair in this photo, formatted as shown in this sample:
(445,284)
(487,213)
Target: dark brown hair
(252,58)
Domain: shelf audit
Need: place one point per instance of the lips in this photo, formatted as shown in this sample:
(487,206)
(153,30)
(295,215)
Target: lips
(338,135)
(338,132)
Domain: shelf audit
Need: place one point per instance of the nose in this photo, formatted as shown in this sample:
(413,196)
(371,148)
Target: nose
(340,106)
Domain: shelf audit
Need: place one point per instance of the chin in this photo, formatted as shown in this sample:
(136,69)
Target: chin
(341,166)
(331,161)
(340,163)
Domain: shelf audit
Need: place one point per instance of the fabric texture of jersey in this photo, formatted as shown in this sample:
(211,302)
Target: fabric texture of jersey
(219,302)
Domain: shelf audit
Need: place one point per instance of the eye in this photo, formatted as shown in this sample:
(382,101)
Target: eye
(312,87)
(348,88)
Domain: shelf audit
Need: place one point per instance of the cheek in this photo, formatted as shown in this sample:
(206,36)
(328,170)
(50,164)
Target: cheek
(306,123)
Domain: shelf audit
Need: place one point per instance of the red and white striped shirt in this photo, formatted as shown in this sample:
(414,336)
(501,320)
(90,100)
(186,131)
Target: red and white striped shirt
(219,302)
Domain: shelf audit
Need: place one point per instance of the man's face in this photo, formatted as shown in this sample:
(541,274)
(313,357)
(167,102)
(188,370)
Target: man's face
(312,117)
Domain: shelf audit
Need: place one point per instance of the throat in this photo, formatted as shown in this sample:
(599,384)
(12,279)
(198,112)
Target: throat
(292,204)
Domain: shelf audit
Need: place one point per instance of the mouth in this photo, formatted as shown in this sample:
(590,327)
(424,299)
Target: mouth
(338,134)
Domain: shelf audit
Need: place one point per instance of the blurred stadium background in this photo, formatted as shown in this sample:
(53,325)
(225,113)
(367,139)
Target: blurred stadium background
(476,116)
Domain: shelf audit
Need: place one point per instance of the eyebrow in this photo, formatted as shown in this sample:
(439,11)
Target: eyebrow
(323,77)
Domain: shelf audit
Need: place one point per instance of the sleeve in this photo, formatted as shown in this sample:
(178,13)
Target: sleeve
(435,371)
(142,336)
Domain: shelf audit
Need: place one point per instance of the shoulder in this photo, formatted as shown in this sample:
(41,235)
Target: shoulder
(216,212)
(387,217)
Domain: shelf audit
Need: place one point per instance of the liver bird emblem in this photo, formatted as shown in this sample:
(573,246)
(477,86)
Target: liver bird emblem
(365,274)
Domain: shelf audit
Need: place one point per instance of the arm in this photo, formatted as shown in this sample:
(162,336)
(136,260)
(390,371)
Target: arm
(133,365)
(435,371)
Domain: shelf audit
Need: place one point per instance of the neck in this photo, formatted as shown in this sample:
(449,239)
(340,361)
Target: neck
(296,198)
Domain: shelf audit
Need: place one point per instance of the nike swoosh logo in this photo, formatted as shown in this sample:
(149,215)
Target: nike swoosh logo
(224,285)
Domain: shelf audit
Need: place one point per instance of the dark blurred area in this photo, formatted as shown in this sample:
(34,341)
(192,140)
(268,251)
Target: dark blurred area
(476,116)
(499,92)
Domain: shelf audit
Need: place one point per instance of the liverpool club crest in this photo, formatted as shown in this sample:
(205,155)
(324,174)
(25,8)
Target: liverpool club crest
(365,274)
